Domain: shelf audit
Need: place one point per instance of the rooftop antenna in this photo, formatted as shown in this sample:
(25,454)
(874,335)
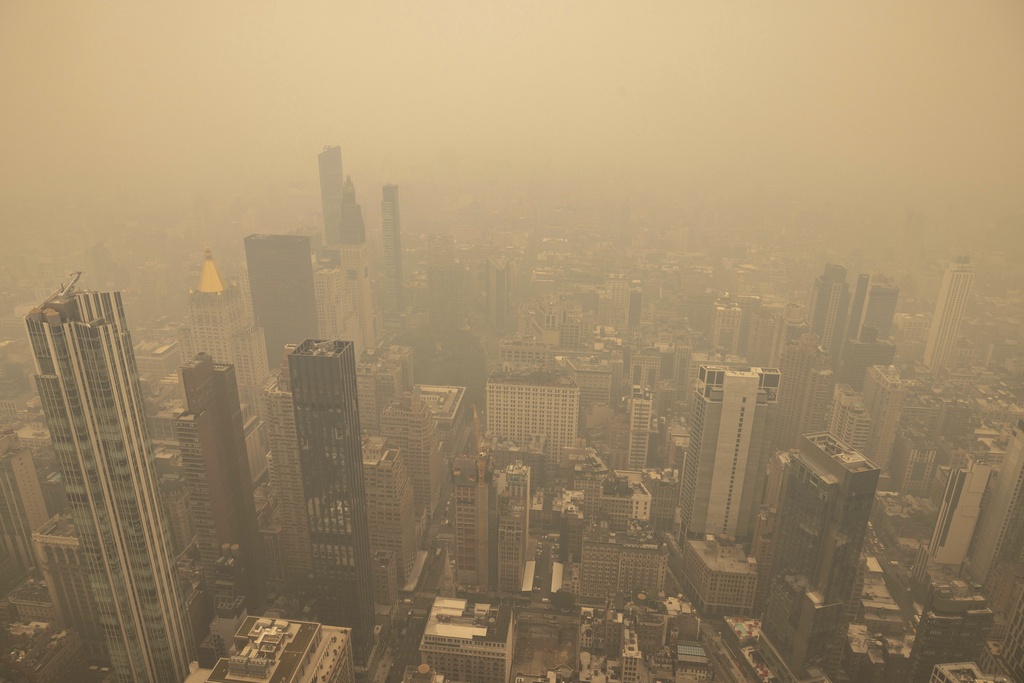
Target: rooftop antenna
(66,289)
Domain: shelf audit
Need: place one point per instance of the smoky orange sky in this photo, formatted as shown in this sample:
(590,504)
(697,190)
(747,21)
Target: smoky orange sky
(916,103)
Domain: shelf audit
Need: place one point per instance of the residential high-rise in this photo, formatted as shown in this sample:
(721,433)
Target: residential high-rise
(22,507)
(1000,532)
(959,512)
(955,622)
(392,291)
(409,425)
(390,506)
(524,405)
(513,534)
(849,420)
(830,303)
(949,313)
(286,476)
(323,384)
(641,416)
(824,507)
(804,392)
(281,287)
(472,477)
(468,641)
(331,192)
(731,423)
(883,398)
(213,456)
(92,400)
(220,324)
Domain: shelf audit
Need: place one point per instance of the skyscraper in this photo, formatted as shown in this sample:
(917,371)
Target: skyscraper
(513,534)
(955,622)
(641,413)
(824,507)
(281,286)
(830,303)
(949,313)
(392,292)
(731,425)
(22,507)
(849,420)
(331,192)
(861,353)
(220,324)
(471,476)
(959,512)
(89,388)
(804,392)
(323,383)
(212,442)
(500,275)
(880,308)
(409,425)
(445,283)
(883,397)
(1000,532)
(390,506)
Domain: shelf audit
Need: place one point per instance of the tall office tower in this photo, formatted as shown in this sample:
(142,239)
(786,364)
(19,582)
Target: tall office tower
(883,397)
(212,443)
(90,393)
(353,230)
(1013,643)
(409,425)
(1000,532)
(392,293)
(390,506)
(219,323)
(805,391)
(472,476)
(331,192)
(959,512)
(857,306)
(830,303)
(445,284)
(824,507)
(281,286)
(63,565)
(634,308)
(383,376)
(641,415)
(955,622)
(772,328)
(725,327)
(355,262)
(512,486)
(286,476)
(468,641)
(523,406)
(336,316)
(323,383)
(500,278)
(849,420)
(949,313)
(731,423)
(880,308)
(860,354)
(22,507)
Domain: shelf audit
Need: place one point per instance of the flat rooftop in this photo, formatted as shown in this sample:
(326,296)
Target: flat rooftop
(464,620)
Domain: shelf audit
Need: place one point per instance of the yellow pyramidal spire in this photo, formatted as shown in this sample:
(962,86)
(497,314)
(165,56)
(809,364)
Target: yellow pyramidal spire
(210,281)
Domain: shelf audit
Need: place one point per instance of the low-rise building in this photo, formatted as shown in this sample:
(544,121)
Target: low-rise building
(719,577)
(469,641)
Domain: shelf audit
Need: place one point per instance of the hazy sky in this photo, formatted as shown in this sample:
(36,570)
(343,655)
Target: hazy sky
(912,102)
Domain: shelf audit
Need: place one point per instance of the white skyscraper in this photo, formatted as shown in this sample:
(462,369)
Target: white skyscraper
(949,313)
(1000,533)
(90,392)
(730,430)
(849,420)
(641,412)
(958,514)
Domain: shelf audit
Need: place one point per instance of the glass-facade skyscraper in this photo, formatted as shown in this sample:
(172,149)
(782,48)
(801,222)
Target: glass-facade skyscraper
(323,384)
(91,397)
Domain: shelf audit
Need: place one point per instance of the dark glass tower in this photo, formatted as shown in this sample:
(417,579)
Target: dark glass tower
(281,287)
(89,387)
(830,306)
(391,228)
(212,441)
(824,507)
(323,382)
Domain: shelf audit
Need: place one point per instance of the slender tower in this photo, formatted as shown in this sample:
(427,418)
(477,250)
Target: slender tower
(949,313)
(89,388)
(393,298)
(323,383)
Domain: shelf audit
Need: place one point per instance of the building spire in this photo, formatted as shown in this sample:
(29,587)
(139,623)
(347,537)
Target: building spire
(210,280)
